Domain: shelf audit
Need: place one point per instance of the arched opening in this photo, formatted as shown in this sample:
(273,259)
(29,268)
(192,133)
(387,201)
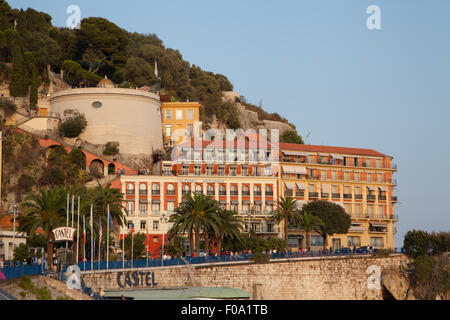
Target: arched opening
(111,169)
(97,168)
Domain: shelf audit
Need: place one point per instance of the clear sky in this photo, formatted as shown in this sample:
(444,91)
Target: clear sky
(316,63)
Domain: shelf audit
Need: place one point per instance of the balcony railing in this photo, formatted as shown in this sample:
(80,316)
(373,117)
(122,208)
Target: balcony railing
(336,195)
(371,198)
(257,193)
(301,194)
(156,193)
(234,193)
(358,196)
(382,198)
(314,195)
(348,196)
(170,193)
(245,193)
(130,192)
(210,193)
(222,193)
(325,195)
(269,194)
(288,193)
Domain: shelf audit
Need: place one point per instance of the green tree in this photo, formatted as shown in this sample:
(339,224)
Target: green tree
(334,218)
(196,213)
(230,226)
(309,222)
(18,86)
(46,210)
(287,213)
(291,136)
(21,253)
(416,243)
(74,123)
(138,245)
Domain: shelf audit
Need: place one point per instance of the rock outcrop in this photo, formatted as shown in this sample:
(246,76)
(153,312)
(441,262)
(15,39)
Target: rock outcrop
(396,283)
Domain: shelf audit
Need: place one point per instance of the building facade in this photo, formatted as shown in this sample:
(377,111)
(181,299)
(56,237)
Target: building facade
(359,180)
(179,118)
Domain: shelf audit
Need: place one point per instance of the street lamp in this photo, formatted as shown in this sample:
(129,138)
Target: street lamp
(14,211)
(163,219)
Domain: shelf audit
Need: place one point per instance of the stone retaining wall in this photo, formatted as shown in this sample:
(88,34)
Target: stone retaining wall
(333,278)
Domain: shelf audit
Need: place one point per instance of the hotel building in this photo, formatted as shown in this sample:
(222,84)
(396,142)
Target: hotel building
(250,181)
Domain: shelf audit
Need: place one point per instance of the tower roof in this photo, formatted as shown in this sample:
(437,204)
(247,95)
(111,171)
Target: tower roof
(105,83)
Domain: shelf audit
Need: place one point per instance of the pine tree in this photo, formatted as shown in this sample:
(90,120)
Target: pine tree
(18,86)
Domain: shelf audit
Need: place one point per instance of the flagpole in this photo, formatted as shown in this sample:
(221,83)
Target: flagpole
(100,243)
(73,207)
(67,220)
(132,246)
(84,243)
(123,242)
(92,238)
(78,230)
(107,242)
(147,244)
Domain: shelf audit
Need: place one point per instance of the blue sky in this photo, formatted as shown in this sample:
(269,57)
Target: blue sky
(316,63)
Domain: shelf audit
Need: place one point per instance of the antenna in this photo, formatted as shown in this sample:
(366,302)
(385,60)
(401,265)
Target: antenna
(307,137)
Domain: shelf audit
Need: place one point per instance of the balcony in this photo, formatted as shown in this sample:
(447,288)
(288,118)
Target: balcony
(358,197)
(301,194)
(211,193)
(246,193)
(156,193)
(348,196)
(223,193)
(155,213)
(130,192)
(382,198)
(269,194)
(357,229)
(234,193)
(371,198)
(170,193)
(325,195)
(314,195)
(143,192)
(336,195)
(394,199)
(288,193)
(257,193)
(143,213)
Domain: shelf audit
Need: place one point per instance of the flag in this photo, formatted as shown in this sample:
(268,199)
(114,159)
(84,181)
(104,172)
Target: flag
(100,232)
(110,220)
(147,240)
(2,276)
(84,229)
(132,228)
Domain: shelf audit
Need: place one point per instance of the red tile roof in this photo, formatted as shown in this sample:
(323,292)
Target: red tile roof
(328,149)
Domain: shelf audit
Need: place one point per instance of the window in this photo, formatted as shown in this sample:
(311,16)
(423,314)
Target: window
(317,241)
(209,170)
(257,191)
(311,188)
(233,171)
(130,188)
(347,208)
(324,175)
(143,189)
(269,191)
(221,171)
(171,206)
(197,170)
(179,115)
(244,171)
(170,189)
(143,225)
(378,163)
(268,170)
(245,191)
(356,176)
(156,206)
(246,207)
(358,190)
(168,114)
(190,114)
(333,175)
(222,191)
(143,207)
(186,189)
(346,176)
(130,207)
(369,177)
(269,207)
(168,130)
(198,189)
(234,191)
(185,170)
(370,210)
(381,211)
(210,190)
(155,189)
(257,207)
(155,225)
(376,242)
(358,210)
(353,242)
(380,178)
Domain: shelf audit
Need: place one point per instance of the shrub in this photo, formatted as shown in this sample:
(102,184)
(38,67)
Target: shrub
(43,294)
(291,136)
(21,253)
(416,243)
(111,148)
(52,177)
(77,157)
(26,283)
(8,107)
(73,125)
(25,183)
(260,257)
(423,268)
(23,294)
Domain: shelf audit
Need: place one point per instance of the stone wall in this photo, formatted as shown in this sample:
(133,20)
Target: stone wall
(333,278)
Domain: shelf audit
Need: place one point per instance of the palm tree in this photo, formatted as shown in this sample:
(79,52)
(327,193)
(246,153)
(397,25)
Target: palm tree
(230,225)
(46,210)
(288,213)
(309,222)
(196,214)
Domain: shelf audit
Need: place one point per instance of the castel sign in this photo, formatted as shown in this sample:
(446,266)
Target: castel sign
(136,279)
(64,234)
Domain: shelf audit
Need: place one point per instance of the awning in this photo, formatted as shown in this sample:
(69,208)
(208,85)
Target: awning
(379,225)
(301,186)
(371,188)
(143,201)
(294,170)
(295,153)
(258,202)
(383,189)
(325,188)
(289,185)
(156,201)
(337,156)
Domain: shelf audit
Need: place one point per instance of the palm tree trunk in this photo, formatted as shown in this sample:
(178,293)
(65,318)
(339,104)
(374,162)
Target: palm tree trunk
(286,236)
(191,242)
(49,251)
(206,243)
(325,241)
(219,245)
(197,242)
(308,239)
